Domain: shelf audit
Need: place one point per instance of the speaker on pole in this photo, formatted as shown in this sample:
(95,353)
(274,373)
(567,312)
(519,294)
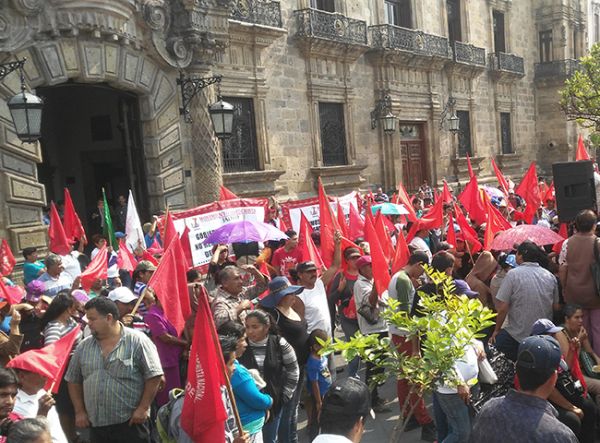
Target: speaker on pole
(574,188)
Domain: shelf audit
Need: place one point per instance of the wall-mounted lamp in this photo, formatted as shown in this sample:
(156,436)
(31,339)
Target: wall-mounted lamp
(221,112)
(448,119)
(383,113)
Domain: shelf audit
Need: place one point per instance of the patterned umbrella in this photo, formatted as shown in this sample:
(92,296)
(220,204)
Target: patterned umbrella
(244,231)
(538,234)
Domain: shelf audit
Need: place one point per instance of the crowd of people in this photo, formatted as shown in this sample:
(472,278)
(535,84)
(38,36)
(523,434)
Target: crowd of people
(127,372)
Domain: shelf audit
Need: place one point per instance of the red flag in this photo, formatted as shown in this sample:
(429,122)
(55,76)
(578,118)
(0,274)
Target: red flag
(146,255)
(405,200)
(282,226)
(434,218)
(384,237)
(155,247)
(169,282)
(451,234)
(500,177)
(96,270)
(563,231)
(125,259)
(59,243)
(581,153)
(203,415)
(471,173)
(471,200)
(341,219)
(402,253)
(446,195)
(467,231)
(496,223)
(50,361)
(7,259)
(357,224)
(529,190)
(328,227)
(72,223)
(12,294)
(550,193)
(187,248)
(381,274)
(170,231)
(306,245)
(226,194)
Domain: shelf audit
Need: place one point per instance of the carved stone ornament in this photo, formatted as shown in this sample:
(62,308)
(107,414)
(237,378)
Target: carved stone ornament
(158,15)
(28,7)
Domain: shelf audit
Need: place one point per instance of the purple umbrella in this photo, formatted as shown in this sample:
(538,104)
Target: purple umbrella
(244,231)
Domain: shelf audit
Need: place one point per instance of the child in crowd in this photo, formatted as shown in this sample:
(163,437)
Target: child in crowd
(319,378)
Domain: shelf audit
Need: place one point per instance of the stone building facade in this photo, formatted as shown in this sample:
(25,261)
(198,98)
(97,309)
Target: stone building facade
(304,76)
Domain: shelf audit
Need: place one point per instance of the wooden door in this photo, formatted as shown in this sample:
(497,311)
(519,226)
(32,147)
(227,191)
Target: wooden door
(413,156)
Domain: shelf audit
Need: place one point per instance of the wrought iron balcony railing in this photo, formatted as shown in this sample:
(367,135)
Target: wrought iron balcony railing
(468,54)
(266,13)
(331,26)
(557,68)
(395,37)
(510,63)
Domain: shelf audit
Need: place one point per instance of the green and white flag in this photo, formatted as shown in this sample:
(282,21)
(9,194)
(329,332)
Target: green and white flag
(108,229)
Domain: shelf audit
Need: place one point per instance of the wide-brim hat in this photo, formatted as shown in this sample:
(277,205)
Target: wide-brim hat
(279,287)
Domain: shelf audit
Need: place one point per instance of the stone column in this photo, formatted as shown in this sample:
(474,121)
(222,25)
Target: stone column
(205,147)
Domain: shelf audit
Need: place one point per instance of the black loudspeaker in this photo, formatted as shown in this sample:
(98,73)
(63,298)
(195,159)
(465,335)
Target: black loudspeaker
(574,187)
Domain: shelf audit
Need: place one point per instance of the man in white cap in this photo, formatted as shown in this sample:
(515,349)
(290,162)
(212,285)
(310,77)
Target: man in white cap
(125,301)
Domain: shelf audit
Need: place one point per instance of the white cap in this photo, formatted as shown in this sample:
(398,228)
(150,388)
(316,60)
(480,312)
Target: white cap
(122,294)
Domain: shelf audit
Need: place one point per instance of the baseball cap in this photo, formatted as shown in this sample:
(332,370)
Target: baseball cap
(279,287)
(35,289)
(347,398)
(122,294)
(511,260)
(462,287)
(363,261)
(80,295)
(544,326)
(145,265)
(306,266)
(351,252)
(539,352)
(119,234)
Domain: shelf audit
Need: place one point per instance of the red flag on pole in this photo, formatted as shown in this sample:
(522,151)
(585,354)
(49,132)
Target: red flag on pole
(328,227)
(357,224)
(146,255)
(306,245)
(72,223)
(529,190)
(471,173)
(434,218)
(500,177)
(405,200)
(341,219)
(402,253)
(187,248)
(226,194)
(446,195)
(472,201)
(384,237)
(170,231)
(496,223)
(96,270)
(282,226)
(49,361)
(12,294)
(125,259)
(381,274)
(169,282)
(59,243)
(467,231)
(7,259)
(451,234)
(203,415)
(581,153)
(155,247)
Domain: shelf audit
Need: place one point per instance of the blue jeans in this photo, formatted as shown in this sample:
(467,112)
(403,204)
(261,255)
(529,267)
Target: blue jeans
(350,327)
(457,417)
(288,427)
(507,345)
(269,430)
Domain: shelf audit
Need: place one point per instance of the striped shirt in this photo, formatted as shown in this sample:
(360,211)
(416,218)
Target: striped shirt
(138,289)
(113,386)
(56,330)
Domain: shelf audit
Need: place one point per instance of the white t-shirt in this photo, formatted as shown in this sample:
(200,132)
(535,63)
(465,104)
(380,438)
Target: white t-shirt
(27,406)
(467,368)
(331,438)
(316,308)
(71,264)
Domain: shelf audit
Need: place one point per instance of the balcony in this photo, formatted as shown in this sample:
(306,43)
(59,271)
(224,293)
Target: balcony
(390,37)
(263,13)
(556,70)
(313,23)
(507,65)
(467,54)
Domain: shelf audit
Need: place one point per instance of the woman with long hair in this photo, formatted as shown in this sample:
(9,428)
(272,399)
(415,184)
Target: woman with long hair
(275,360)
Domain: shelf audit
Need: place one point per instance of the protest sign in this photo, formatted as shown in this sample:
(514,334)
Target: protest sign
(291,211)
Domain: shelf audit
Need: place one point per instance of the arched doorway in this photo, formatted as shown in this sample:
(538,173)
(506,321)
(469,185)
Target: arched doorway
(91,139)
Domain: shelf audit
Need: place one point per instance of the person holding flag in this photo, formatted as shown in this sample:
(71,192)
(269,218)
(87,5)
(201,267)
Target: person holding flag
(118,360)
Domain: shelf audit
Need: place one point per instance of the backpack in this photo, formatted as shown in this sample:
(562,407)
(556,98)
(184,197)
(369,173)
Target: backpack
(163,417)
